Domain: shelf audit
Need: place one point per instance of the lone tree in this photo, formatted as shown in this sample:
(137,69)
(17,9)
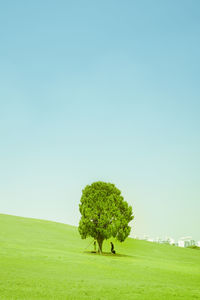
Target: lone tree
(104,212)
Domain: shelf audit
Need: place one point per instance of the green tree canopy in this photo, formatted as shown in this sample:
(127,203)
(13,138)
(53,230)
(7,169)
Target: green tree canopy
(104,212)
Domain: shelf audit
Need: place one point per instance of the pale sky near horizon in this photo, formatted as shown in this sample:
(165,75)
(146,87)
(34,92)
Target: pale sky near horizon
(101,90)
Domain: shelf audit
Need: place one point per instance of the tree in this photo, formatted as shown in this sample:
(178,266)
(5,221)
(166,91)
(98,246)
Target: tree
(104,212)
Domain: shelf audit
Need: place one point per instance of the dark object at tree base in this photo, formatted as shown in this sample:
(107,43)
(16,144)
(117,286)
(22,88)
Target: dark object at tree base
(93,252)
(112,248)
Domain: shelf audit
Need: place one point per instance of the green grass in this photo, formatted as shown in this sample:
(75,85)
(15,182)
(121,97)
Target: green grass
(46,260)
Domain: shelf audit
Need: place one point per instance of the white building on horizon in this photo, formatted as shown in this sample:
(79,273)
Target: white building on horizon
(150,240)
(182,242)
(171,241)
(186,242)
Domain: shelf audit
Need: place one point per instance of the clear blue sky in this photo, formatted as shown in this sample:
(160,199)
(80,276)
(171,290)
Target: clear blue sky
(101,90)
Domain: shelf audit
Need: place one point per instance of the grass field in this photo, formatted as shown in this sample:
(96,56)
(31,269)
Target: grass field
(46,260)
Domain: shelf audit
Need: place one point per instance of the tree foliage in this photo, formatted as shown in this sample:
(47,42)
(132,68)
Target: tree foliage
(104,212)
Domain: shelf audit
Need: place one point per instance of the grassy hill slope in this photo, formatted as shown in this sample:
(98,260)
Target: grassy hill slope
(46,260)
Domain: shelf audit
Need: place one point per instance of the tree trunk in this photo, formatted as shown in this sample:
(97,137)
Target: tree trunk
(100,243)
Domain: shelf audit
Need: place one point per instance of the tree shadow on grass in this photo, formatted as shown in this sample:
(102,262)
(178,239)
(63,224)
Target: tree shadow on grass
(107,254)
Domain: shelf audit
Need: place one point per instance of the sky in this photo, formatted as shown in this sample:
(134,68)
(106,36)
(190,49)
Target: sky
(101,90)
